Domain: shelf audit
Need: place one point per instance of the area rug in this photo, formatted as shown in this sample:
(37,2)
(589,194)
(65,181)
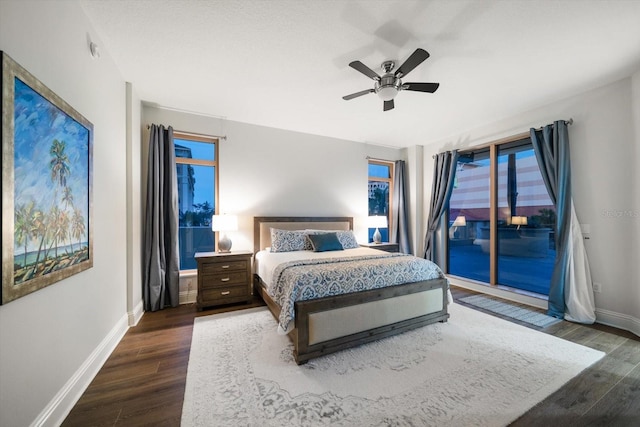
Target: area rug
(513,311)
(474,369)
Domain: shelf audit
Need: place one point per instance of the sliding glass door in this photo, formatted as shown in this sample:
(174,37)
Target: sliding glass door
(526,219)
(469,217)
(516,249)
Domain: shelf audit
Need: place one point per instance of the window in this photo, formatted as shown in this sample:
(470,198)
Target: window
(501,219)
(380,194)
(197,173)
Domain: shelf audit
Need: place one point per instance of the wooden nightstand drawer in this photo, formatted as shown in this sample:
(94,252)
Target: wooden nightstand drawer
(223,267)
(219,295)
(225,279)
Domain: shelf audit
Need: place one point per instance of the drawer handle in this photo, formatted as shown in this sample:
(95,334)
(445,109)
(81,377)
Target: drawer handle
(226,279)
(225,266)
(225,292)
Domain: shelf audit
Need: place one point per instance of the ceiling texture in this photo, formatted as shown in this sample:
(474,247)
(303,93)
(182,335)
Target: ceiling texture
(285,64)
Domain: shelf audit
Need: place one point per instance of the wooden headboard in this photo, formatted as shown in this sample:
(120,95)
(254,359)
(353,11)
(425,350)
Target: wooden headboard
(262,226)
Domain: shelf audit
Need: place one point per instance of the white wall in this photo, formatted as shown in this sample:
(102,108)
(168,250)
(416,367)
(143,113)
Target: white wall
(53,340)
(604,157)
(135,307)
(415,194)
(635,96)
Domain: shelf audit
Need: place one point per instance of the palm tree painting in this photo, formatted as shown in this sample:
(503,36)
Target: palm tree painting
(51,168)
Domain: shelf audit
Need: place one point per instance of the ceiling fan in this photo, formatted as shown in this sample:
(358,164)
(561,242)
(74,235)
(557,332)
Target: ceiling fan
(388,85)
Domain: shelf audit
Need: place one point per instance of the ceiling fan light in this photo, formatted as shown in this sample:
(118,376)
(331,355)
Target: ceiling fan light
(387,93)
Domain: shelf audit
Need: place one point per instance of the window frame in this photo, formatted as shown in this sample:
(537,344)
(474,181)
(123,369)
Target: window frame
(188,136)
(391,165)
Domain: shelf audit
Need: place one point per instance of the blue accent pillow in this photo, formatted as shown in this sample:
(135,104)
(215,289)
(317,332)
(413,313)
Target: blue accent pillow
(347,238)
(325,242)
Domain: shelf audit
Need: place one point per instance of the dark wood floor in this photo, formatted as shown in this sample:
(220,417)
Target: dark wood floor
(142,383)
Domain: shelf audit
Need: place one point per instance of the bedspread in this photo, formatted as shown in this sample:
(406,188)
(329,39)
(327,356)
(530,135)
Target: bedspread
(316,278)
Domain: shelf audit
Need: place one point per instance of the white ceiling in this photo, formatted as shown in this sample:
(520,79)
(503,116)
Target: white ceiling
(284,64)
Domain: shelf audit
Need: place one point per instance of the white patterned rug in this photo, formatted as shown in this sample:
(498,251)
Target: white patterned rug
(473,370)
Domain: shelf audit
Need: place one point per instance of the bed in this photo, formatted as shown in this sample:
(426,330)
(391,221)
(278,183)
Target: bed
(381,294)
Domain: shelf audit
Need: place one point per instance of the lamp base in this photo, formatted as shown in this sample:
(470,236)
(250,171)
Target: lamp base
(224,244)
(377,237)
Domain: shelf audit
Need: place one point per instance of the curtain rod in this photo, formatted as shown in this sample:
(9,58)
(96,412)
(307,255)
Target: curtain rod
(196,134)
(568,122)
(380,160)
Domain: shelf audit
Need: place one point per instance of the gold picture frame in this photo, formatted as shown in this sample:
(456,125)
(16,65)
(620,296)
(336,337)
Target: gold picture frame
(47,204)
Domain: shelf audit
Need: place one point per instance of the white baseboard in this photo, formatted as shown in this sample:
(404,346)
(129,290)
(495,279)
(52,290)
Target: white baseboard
(135,315)
(62,403)
(188,287)
(618,320)
(188,297)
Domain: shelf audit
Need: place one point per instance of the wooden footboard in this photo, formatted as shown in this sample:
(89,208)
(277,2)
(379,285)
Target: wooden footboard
(330,324)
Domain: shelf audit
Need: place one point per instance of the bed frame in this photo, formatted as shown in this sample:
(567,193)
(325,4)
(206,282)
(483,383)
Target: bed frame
(331,324)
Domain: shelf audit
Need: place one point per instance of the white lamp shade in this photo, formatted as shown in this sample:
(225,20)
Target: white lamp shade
(460,221)
(519,220)
(224,223)
(377,221)
(387,93)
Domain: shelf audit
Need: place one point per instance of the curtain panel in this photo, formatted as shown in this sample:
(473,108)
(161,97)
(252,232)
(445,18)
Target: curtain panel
(400,212)
(161,263)
(444,173)
(571,288)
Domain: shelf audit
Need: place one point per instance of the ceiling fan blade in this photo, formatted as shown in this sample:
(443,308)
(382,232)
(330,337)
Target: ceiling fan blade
(359,66)
(357,94)
(388,105)
(415,59)
(421,87)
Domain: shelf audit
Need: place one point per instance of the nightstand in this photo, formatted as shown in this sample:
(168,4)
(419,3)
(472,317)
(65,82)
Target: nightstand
(384,246)
(223,278)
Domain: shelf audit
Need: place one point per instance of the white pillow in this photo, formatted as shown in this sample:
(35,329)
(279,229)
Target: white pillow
(287,240)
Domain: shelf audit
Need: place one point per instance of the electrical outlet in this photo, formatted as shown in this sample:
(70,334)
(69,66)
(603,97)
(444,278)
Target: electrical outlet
(597,287)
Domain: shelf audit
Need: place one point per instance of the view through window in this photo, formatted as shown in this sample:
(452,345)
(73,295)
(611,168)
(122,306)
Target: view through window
(380,194)
(469,218)
(525,219)
(197,173)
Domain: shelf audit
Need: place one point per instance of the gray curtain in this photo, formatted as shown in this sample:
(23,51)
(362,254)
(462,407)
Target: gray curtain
(399,211)
(571,289)
(551,145)
(444,173)
(161,263)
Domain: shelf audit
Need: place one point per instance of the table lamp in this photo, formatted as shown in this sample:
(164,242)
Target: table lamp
(224,223)
(519,220)
(377,221)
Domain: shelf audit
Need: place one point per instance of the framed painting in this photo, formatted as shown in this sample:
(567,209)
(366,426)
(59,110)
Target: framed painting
(47,161)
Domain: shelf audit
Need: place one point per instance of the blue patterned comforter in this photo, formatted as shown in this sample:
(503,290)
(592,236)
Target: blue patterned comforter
(316,278)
